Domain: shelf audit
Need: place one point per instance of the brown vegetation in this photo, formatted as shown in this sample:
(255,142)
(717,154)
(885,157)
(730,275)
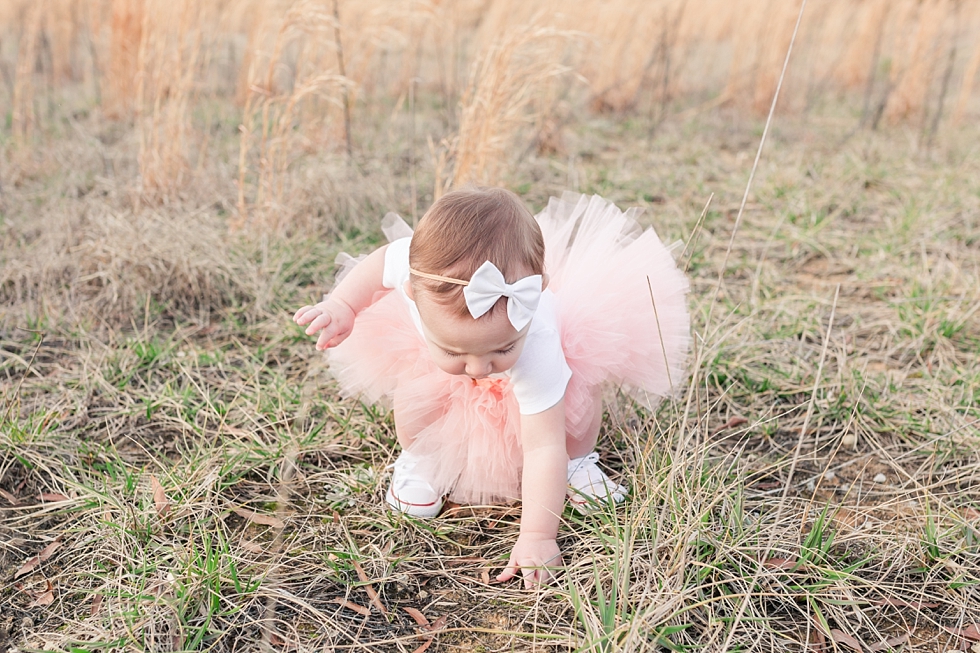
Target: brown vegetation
(294,64)
(177,471)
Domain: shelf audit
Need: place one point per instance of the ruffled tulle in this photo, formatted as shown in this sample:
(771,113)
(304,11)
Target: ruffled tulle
(624,320)
(621,299)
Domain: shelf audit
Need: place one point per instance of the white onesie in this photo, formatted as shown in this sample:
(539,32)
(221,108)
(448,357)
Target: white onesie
(540,375)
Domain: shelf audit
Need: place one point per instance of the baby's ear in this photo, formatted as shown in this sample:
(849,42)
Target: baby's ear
(545,280)
(408,289)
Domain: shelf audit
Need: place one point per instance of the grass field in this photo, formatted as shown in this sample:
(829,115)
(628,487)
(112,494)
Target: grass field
(178,473)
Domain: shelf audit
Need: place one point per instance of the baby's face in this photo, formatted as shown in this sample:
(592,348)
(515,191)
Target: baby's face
(462,345)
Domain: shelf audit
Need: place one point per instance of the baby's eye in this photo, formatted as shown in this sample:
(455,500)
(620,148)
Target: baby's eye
(506,351)
(451,354)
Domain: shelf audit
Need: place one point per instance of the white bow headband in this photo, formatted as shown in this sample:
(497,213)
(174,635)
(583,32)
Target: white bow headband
(487,285)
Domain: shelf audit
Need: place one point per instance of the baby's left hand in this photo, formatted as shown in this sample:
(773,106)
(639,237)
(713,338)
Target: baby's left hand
(535,556)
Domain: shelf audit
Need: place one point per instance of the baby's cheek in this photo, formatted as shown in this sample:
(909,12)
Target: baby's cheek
(506,364)
(449,367)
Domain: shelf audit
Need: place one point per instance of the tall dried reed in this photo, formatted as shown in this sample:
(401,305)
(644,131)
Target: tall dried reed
(294,64)
(969,78)
(122,57)
(168,68)
(915,65)
(499,100)
(295,72)
(23,116)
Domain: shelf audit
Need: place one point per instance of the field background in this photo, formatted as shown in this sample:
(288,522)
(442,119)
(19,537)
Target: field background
(176,177)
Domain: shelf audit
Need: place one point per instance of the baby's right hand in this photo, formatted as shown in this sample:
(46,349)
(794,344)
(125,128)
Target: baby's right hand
(334,320)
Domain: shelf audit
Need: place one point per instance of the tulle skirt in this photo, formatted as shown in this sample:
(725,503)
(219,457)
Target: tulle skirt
(624,321)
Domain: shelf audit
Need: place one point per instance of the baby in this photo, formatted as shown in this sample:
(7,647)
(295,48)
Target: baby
(493,367)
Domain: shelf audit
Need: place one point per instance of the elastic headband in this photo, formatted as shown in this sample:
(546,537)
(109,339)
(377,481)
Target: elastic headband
(487,285)
(437,277)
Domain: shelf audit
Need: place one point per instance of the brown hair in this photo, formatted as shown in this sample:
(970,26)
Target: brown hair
(467,227)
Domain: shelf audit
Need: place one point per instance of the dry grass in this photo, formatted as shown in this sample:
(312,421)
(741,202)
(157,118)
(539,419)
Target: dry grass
(168,65)
(167,359)
(177,472)
(913,62)
(505,93)
(272,109)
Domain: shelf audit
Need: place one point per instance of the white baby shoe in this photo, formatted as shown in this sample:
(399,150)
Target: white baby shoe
(410,493)
(589,487)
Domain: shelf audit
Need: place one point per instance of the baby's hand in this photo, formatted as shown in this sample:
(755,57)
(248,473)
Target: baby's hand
(535,556)
(334,320)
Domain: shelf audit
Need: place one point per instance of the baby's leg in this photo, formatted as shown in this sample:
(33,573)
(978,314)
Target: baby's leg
(588,485)
(409,420)
(583,443)
(411,492)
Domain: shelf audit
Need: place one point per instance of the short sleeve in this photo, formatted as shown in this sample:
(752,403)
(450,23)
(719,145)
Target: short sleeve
(396,264)
(540,378)
(541,373)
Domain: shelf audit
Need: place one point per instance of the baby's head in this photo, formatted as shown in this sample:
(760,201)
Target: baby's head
(466,228)
(458,234)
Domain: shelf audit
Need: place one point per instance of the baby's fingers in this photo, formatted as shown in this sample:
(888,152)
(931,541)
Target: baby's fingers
(510,571)
(320,322)
(305,315)
(329,338)
(336,340)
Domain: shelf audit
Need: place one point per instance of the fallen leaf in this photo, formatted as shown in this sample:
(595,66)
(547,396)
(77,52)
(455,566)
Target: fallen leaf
(425,646)
(899,603)
(32,563)
(45,599)
(819,640)
(891,642)
(279,642)
(730,424)
(961,645)
(256,518)
(781,563)
(359,609)
(9,497)
(375,601)
(250,546)
(438,624)
(53,496)
(96,604)
(845,639)
(47,551)
(160,499)
(971,632)
(485,576)
(417,616)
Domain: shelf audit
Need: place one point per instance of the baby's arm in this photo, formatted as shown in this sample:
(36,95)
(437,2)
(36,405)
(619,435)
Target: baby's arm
(542,494)
(334,316)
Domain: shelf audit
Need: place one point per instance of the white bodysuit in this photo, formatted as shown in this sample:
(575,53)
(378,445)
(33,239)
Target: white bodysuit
(540,375)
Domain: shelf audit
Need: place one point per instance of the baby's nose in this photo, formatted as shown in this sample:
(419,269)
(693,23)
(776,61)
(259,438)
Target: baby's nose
(478,367)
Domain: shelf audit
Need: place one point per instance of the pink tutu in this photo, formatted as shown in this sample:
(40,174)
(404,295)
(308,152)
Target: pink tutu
(624,320)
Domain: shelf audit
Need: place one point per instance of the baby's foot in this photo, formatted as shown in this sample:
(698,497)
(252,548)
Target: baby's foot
(589,487)
(410,493)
